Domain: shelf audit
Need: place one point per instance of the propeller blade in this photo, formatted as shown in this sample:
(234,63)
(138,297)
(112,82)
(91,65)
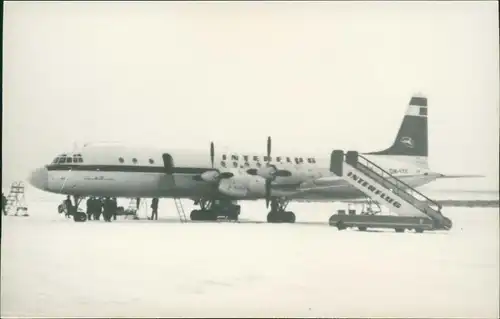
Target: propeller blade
(252,171)
(268,149)
(212,153)
(268,192)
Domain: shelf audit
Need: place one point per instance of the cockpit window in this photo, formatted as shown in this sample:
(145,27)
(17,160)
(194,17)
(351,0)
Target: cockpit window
(77,158)
(64,158)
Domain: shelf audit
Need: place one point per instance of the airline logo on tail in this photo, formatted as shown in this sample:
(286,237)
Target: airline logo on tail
(407,141)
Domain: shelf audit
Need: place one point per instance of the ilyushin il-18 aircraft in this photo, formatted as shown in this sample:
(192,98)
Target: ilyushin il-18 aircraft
(216,181)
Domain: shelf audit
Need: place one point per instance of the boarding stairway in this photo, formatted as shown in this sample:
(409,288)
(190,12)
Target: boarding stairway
(16,199)
(385,188)
(180,210)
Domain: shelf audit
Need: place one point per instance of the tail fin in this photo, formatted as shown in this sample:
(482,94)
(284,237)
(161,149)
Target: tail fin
(412,138)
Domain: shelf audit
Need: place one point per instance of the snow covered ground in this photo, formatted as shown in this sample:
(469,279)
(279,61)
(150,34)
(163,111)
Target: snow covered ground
(53,267)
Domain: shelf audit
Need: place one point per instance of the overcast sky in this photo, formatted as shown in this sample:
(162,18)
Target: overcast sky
(314,75)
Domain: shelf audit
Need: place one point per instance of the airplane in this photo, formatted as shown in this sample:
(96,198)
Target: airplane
(217,181)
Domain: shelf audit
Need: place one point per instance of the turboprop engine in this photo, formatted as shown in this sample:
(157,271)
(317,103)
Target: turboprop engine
(270,171)
(234,187)
(249,186)
(213,176)
(243,186)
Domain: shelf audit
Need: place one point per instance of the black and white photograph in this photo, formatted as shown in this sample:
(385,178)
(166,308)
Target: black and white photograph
(225,159)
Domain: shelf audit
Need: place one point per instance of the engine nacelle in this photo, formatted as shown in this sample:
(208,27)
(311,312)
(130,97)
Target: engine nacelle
(233,187)
(267,172)
(256,185)
(210,176)
(213,176)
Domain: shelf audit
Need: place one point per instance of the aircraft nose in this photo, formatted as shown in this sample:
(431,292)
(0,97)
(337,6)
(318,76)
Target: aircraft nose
(39,178)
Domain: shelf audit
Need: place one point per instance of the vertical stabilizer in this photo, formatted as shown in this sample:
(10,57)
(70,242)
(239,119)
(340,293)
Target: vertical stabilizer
(412,137)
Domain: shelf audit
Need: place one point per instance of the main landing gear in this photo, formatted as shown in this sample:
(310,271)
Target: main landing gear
(212,209)
(278,214)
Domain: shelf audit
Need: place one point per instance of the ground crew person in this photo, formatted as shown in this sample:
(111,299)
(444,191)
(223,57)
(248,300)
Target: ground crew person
(114,207)
(154,206)
(108,206)
(90,207)
(69,206)
(99,203)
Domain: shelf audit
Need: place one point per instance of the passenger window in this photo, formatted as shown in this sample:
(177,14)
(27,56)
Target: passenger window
(224,157)
(266,158)
(121,160)
(134,160)
(151,161)
(278,159)
(288,160)
(256,158)
(245,157)
(223,164)
(69,160)
(297,160)
(80,160)
(235,164)
(55,160)
(234,157)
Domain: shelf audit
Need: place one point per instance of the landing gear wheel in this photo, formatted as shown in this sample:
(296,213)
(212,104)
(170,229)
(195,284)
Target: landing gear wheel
(205,215)
(79,217)
(271,217)
(340,225)
(195,215)
(210,215)
(290,217)
(281,217)
(232,215)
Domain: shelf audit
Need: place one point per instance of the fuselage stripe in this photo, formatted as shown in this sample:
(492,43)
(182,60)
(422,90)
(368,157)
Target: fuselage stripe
(125,168)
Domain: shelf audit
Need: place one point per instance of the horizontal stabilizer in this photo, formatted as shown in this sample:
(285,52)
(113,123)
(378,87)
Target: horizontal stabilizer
(460,176)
